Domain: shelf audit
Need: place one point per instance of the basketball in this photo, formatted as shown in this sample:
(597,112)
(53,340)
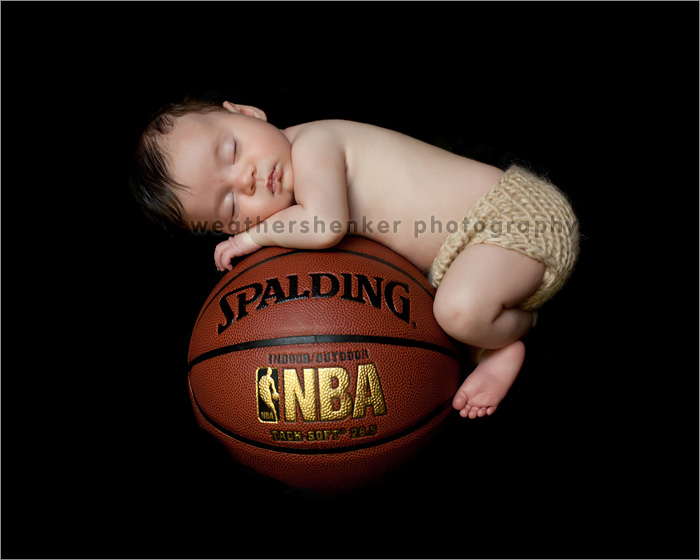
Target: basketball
(323,369)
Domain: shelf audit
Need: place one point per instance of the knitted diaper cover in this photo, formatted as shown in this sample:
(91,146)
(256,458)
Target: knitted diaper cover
(526,214)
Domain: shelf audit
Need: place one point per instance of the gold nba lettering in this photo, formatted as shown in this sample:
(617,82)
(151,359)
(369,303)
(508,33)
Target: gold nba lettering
(318,394)
(334,400)
(295,394)
(369,392)
(268,397)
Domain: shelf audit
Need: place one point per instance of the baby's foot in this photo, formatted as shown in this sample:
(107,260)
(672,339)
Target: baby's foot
(486,386)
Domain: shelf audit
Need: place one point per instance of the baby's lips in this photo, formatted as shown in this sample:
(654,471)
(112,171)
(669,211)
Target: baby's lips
(272,180)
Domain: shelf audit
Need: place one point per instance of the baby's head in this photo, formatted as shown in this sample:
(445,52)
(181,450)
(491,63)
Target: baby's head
(151,181)
(199,162)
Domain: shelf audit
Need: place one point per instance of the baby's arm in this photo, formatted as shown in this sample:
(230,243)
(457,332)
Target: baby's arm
(318,219)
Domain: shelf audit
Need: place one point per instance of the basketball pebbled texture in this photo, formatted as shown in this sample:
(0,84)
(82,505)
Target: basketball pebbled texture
(323,369)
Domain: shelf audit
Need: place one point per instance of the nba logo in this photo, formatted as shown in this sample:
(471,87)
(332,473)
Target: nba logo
(268,397)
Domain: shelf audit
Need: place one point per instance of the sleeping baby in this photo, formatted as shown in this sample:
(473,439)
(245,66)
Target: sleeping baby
(512,245)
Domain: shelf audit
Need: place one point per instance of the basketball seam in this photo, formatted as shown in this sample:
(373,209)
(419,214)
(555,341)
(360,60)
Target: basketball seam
(320,339)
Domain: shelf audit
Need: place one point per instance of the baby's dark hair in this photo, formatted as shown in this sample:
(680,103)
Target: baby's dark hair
(150,180)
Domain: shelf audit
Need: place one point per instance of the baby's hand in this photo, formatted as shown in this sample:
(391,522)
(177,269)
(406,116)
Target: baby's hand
(236,246)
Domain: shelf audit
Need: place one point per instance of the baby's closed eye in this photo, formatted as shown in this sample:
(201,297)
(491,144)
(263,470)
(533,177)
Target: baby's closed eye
(230,205)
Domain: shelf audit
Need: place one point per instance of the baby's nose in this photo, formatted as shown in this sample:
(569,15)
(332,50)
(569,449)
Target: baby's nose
(246,179)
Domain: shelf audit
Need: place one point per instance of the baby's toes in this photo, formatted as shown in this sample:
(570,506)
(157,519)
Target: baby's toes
(465,411)
(479,411)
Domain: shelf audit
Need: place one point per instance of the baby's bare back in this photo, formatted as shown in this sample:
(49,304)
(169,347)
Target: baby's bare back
(404,193)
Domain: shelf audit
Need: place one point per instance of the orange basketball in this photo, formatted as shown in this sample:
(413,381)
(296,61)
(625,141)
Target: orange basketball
(322,369)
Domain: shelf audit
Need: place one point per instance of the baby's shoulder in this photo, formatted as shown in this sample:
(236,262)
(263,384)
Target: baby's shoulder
(332,128)
(323,137)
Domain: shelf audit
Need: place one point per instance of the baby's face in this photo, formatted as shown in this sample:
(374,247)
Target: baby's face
(238,169)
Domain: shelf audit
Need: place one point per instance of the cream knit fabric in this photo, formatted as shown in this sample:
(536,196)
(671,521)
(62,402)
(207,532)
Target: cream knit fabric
(533,217)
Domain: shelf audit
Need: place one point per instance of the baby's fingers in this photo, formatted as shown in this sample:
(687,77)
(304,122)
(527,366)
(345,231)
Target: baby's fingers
(222,256)
(223,263)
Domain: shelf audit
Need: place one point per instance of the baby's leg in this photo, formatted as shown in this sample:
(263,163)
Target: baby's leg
(476,304)
(477,298)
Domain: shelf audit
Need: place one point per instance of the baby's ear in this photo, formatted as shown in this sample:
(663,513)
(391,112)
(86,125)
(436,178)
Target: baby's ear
(245,110)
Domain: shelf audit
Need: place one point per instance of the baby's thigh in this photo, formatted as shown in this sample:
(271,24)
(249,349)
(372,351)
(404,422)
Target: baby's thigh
(489,277)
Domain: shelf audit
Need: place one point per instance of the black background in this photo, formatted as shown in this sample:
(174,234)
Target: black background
(594,453)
